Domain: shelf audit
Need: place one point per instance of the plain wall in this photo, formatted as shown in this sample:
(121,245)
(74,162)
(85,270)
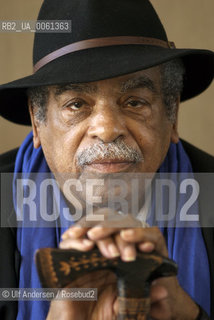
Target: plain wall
(189,23)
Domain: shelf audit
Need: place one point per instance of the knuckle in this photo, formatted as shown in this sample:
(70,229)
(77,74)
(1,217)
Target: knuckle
(158,234)
(117,238)
(155,229)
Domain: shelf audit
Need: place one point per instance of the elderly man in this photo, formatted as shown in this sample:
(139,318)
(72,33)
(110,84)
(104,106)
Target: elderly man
(104,100)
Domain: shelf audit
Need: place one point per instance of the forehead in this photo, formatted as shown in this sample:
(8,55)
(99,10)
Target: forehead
(149,78)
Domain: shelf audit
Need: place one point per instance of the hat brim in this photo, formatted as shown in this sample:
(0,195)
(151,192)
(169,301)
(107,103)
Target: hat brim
(103,63)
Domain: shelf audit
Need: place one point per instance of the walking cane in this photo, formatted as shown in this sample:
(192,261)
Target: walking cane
(59,267)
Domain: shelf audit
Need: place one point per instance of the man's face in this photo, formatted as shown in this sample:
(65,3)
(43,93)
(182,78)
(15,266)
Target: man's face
(126,111)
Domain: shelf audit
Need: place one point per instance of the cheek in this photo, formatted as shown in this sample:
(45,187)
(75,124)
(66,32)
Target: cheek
(153,139)
(59,146)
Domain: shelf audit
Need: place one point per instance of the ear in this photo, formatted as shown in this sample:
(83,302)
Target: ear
(174,134)
(35,127)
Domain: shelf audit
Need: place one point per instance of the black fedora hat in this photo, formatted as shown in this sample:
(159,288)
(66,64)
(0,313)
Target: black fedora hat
(108,39)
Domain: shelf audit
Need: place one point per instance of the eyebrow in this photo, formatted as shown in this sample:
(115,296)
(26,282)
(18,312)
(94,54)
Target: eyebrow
(130,84)
(140,82)
(77,87)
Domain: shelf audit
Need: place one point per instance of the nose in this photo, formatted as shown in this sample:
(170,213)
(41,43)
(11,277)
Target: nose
(107,124)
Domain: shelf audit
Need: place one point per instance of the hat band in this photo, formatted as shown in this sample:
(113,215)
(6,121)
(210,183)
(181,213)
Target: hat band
(100,42)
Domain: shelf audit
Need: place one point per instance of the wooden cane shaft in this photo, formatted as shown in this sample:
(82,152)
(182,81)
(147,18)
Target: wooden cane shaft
(133,308)
(57,268)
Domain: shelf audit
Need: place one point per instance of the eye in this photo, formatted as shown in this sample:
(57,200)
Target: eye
(75,104)
(136,103)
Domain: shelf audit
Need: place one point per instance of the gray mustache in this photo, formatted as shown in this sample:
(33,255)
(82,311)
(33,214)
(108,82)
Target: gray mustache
(113,150)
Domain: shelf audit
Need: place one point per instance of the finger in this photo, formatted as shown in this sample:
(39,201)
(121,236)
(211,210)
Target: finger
(108,248)
(100,232)
(159,302)
(103,230)
(79,229)
(88,223)
(161,310)
(152,235)
(127,250)
(111,219)
(74,232)
(146,246)
(78,244)
(104,216)
(115,308)
(158,293)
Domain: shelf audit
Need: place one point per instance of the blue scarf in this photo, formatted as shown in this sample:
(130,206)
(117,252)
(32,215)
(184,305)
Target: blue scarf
(185,245)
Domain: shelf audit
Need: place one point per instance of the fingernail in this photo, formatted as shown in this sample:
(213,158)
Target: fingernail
(64,236)
(95,231)
(61,245)
(64,245)
(147,246)
(113,251)
(87,242)
(128,254)
(69,233)
(74,232)
(126,233)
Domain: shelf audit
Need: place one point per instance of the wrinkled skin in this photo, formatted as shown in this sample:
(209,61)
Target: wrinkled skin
(167,297)
(104,111)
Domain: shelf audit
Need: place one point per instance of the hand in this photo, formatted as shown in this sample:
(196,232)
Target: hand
(105,282)
(113,239)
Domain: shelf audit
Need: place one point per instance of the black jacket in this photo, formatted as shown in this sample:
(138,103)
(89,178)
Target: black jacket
(9,255)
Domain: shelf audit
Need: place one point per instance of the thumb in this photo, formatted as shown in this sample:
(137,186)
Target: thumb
(157,293)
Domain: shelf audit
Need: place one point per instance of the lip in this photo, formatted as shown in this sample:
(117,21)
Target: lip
(101,161)
(109,166)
